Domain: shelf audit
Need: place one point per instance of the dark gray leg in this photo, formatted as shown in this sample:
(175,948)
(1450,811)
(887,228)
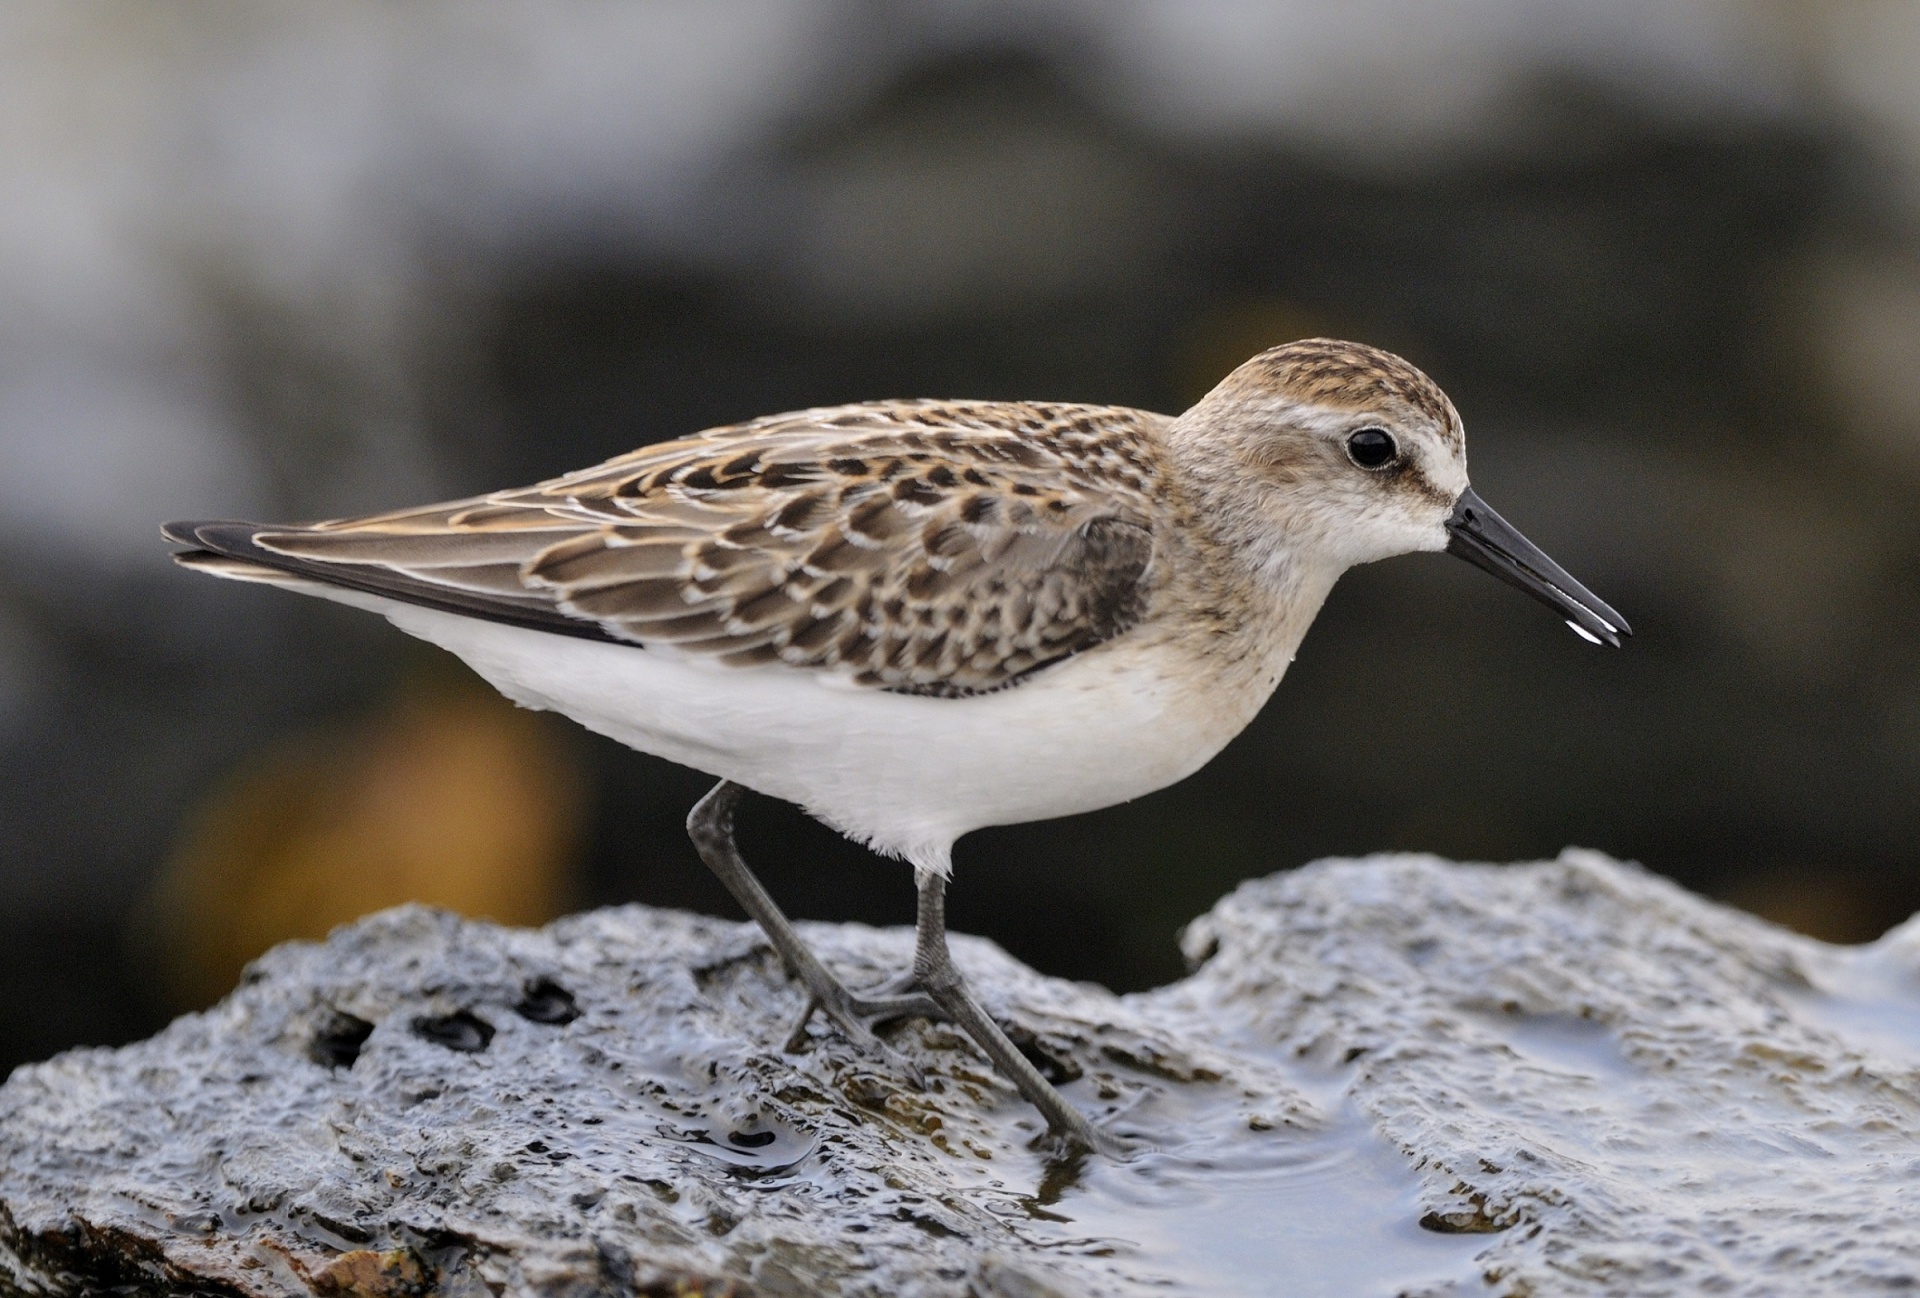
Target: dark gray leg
(934,973)
(710,825)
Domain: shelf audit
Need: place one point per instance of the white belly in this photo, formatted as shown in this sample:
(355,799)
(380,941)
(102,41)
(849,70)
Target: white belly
(907,775)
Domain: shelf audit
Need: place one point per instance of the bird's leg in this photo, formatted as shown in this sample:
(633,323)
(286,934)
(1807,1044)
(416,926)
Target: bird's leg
(934,973)
(710,825)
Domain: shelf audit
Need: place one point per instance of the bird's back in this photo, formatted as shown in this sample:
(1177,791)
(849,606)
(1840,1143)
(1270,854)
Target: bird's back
(939,547)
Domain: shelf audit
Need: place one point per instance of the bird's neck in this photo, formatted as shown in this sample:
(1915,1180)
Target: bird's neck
(1257,588)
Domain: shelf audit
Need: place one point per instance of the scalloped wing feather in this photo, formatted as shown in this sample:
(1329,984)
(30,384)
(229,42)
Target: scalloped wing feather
(943,548)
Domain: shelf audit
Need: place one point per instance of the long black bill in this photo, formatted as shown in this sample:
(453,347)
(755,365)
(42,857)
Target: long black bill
(1486,540)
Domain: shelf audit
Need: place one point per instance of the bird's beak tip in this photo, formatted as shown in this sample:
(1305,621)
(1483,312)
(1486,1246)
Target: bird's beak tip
(1480,536)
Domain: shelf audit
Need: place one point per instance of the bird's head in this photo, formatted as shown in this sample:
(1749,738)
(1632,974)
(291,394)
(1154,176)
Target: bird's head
(1351,454)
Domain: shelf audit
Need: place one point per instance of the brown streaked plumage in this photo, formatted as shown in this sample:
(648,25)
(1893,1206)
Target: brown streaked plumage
(1331,372)
(919,618)
(929,547)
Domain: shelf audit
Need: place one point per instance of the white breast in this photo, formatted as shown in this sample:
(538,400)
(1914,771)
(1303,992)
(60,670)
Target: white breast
(907,775)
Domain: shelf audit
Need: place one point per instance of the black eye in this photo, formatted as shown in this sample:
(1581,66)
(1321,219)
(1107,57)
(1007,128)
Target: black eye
(1372,448)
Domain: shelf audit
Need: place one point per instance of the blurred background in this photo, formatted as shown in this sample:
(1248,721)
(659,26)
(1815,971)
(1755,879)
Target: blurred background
(301,260)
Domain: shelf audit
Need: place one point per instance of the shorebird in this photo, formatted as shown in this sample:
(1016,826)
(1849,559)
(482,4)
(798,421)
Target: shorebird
(918,618)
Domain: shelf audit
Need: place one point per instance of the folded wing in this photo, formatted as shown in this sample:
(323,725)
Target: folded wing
(927,547)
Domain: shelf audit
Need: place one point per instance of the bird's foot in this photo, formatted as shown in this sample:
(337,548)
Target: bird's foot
(1069,1133)
(857,1016)
(946,1000)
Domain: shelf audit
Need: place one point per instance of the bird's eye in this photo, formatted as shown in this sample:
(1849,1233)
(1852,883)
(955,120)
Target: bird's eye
(1372,448)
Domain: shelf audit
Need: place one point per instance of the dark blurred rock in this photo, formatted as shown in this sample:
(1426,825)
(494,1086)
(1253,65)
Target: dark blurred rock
(1391,1075)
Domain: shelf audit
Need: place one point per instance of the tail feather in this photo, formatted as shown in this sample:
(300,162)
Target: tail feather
(229,549)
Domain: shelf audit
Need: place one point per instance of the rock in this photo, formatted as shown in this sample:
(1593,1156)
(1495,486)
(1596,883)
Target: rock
(1392,1075)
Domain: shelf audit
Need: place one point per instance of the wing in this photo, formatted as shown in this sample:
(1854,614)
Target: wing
(942,548)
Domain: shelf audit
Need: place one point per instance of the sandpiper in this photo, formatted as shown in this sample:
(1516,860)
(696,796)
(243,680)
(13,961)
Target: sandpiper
(918,618)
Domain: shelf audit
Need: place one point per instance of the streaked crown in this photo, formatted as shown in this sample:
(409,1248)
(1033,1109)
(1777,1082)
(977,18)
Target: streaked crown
(1354,376)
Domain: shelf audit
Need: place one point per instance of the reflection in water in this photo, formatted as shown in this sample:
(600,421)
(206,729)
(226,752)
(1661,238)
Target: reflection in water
(1224,1204)
(1336,1215)
(763,1146)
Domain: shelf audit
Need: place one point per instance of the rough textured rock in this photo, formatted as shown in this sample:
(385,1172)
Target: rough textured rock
(1387,1076)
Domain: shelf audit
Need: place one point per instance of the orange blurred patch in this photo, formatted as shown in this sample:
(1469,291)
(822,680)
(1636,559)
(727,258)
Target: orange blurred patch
(1818,903)
(451,796)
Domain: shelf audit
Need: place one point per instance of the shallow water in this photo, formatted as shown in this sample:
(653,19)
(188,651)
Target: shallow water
(1565,1043)
(1220,1207)
(1335,1214)
(1872,1002)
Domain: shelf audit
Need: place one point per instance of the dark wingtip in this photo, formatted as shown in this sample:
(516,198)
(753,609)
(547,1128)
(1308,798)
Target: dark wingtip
(221,535)
(180,533)
(229,539)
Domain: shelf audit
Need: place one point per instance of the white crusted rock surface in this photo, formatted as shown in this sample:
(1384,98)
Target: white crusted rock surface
(1391,1076)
